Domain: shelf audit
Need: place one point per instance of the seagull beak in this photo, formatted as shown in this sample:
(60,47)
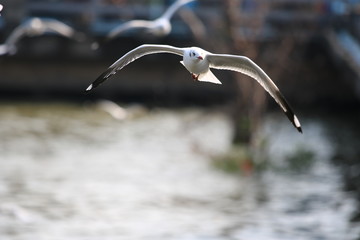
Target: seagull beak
(200,58)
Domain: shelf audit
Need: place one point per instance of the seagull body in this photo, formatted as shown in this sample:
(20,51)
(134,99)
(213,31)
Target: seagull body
(35,27)
(159,27)
(198,62)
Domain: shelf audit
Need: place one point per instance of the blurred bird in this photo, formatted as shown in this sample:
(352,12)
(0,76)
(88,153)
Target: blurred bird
(198,62)
(159,27)
(35,27)
(118,112)
(112,108)
(1,8)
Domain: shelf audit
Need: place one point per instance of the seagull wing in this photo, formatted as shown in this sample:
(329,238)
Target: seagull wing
(174,7)
(3,49)
(129,25)
(17,34)
(131,56)
(248,67)
(52,25)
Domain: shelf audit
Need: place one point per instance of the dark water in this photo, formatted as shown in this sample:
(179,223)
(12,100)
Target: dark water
(74,172)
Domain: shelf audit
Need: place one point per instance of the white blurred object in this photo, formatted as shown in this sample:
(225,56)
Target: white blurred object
(159,27)
(121,113)
(112,108)
(35,27)
(16,212)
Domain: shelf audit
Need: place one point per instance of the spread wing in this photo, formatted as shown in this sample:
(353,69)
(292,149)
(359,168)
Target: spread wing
(248,67)
(17,34)
(52,25)
(3,49)
(174,7)
(131,56)
(129,25)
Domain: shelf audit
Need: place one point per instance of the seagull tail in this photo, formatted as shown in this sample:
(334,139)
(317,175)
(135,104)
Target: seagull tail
(206,77)
(209,77)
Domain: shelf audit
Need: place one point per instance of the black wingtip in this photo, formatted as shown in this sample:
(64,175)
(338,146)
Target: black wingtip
(294,120)
(296,123)
(89,88)
(103,77)
(300,130)
(292,117)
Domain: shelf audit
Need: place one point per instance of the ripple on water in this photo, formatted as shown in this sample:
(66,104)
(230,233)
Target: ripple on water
(69,172)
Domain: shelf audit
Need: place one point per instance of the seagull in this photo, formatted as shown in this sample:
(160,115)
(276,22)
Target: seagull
(198,62)
(113,109)
(35,27)
(159,27)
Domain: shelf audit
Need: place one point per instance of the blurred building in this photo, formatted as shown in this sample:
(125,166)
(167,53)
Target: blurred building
(95,17)
(240,26)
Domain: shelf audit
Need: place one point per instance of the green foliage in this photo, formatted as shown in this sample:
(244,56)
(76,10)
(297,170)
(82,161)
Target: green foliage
(234,160)
(300,160)
(241,159)
(244,160)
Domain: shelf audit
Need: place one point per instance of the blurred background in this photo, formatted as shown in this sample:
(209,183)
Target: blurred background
(151,154)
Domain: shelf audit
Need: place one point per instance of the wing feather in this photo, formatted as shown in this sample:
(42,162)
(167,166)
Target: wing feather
(131,56)
(248,67)
(58,27)
(16,35)
(129,25)
(3,49)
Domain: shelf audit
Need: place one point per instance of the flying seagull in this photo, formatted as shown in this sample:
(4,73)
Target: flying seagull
(113,109)
(198,62)
(35,27)
(159,27)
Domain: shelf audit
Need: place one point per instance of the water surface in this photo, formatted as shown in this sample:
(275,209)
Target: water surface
(73,172)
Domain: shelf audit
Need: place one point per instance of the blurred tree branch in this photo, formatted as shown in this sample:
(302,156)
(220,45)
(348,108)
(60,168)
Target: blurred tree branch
(245,24)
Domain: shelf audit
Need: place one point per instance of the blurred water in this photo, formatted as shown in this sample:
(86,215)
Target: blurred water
(73,172)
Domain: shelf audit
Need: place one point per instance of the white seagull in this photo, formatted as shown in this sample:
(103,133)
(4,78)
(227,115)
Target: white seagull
(198,62)
(35,27)
(117,112)
(159,27)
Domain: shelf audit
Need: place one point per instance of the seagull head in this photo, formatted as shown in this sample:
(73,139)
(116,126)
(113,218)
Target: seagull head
(195,54)
(34,26)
